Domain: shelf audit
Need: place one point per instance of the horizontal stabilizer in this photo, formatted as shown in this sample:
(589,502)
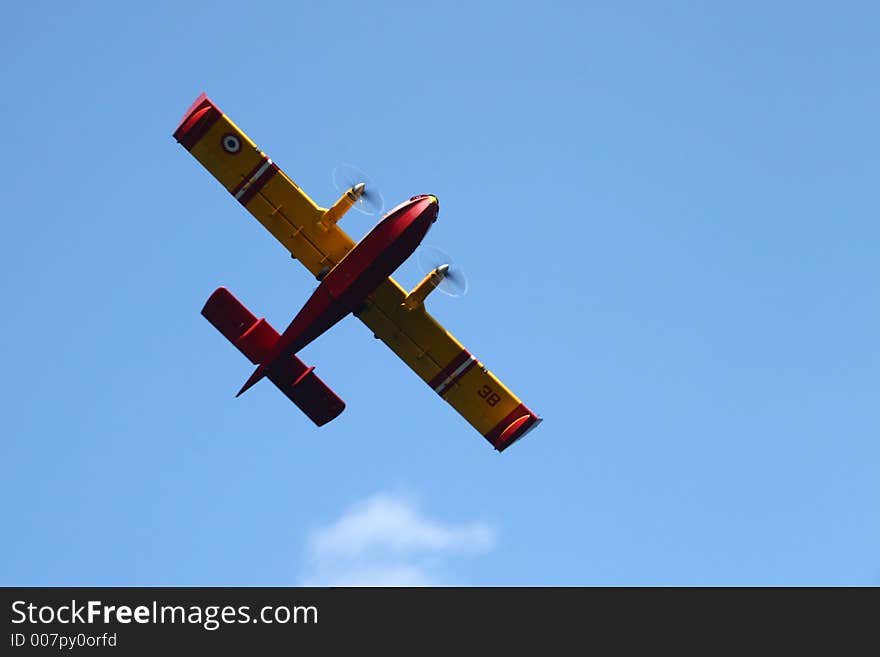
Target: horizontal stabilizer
(255,338)
(303,387)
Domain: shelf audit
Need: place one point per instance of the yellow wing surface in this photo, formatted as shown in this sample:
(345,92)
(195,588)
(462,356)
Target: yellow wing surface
(296,221)
(260,186)
(444,364)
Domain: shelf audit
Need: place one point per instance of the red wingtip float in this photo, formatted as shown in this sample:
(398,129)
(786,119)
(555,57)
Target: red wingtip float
(354,278)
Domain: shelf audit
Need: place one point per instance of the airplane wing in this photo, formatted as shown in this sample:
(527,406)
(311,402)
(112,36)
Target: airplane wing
(260,186)
(444,364)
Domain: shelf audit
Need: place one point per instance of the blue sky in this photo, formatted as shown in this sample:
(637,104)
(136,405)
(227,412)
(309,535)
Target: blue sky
(668,215)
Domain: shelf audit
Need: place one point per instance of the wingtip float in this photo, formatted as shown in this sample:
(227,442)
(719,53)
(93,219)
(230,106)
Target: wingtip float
(355,278)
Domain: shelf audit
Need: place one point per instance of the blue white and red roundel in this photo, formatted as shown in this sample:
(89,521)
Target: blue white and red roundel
(231,143)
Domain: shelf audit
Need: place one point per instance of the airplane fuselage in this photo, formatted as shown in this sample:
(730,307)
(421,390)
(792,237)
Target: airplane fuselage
(381,251)
(362,270)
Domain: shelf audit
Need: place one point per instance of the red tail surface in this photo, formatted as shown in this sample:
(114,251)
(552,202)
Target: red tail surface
(255,338)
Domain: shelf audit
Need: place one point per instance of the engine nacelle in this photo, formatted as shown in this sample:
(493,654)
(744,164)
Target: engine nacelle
(427,285)
(343,205)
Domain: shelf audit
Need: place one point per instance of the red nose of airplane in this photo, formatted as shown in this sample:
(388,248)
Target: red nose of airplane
(420,208)
(430,197)
(434,209)
(431,205)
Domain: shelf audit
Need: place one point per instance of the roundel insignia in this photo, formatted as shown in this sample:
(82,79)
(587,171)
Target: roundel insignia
(231,143)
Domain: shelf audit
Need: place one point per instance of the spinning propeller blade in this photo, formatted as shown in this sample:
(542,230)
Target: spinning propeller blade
(347,176)
(429,258)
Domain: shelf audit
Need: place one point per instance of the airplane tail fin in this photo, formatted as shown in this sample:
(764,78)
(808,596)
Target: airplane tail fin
(258,374)
(255,338)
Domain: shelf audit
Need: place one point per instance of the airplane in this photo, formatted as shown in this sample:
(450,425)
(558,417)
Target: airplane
(354,278)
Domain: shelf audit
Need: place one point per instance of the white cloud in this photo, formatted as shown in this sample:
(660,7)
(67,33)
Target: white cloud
(386,540)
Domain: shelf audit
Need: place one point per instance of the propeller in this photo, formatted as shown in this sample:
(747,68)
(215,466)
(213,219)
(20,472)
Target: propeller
(429,258)
(347,176)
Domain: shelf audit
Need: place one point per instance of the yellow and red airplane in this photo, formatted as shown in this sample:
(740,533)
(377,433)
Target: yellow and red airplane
(354,278)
